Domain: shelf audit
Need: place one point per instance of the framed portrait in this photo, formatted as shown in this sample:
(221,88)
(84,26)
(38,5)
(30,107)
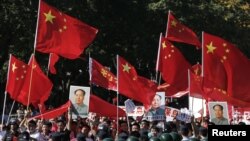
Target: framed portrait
(218,112)
(79,97)
(157,109)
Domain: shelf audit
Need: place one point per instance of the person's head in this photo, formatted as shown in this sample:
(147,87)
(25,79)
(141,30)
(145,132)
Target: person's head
(79,96)
(32,126)
(46,127)
(123,126)
(135,127)
(144,124)
(154,131)
(156,101)
(61,123)
(218,110)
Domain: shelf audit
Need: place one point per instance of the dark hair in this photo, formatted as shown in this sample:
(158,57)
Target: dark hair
(221,107)
(81,91)
(158,95)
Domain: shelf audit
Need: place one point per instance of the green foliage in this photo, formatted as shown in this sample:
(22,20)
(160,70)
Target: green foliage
(129,28)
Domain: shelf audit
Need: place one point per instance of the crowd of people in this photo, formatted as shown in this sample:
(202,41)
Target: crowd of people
(98,128)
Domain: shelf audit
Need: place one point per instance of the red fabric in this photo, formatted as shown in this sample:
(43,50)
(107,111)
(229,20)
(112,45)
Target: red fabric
(227,67)
(173,67)
(131,85)
(16,76)
(53,58)
(37,85)
(53,113)
(196,69)
(99,106)
(62,34)
(180,33)
(195,86)
(101,76)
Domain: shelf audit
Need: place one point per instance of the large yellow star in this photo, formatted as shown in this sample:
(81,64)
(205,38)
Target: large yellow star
(49,17)
(210,48)
(126,67)
(164,45)
(174,23)
(14,67)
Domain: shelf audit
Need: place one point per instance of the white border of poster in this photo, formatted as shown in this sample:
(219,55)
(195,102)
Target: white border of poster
(85,101)
(212,114)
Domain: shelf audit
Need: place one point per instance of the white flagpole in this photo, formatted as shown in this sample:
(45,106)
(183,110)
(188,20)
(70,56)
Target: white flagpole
(49,63)
(158,57)
(117,92)
(4,103)
(202,70)
(37,21)
(5,93)
(167,24)
(13,103)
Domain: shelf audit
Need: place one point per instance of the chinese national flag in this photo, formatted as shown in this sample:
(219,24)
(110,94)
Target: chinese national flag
(61,34)
(130,85)
(180,33)
(173,67)
(97,105)
(37,86)
(101,76)
(16,76)
(53,58)
(227,67)
(54,112)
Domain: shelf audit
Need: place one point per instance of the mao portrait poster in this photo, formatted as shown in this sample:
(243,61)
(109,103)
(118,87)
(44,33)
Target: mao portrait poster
(157,109)
(79,97)
(218,112)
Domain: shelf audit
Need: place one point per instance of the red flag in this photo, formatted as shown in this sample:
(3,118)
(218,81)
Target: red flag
(196,86)
(53,113)
(53,58)
(32,87)
(196,69)
(97,105)
(131,86)
(173,67)
(180,33)
(101,76)
(227,67)
(61,34)
(16,76)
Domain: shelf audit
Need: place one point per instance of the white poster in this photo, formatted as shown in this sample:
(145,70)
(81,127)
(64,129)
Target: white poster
(79,97)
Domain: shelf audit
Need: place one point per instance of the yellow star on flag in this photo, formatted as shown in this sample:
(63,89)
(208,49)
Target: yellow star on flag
(126,67)
(14,67)
(210,48)
(49,17)
(164,45)
(174,23)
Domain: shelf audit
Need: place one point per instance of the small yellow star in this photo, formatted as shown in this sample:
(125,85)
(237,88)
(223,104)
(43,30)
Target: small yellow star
(126,67)
(60,30)
(49,17)
(164,45)
(174,23)
(210,48)
(224,44)
(14,67)
(65,27)
(227,50)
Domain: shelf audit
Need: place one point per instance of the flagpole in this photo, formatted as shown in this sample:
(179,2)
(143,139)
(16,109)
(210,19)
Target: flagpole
(31,76)
(202,71)
(158,56)
(5,93)
(167,23)
(49,63)
(189,92)
(117,93)
(4,103)
(37,21)
(13,103)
